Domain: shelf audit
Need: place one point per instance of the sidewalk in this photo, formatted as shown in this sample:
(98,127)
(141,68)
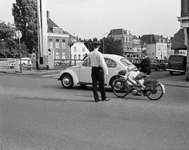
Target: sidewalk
(30,72)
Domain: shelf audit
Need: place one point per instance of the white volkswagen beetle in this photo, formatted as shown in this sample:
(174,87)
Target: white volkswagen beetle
(81,74)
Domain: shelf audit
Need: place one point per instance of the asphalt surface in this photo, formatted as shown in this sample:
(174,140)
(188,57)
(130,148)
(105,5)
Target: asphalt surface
(174,80)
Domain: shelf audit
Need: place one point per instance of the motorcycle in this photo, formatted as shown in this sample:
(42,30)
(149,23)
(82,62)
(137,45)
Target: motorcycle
(125,84)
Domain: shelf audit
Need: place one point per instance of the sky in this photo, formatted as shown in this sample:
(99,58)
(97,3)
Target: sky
(95,18)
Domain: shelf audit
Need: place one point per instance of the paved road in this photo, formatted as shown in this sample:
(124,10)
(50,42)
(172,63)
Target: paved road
(37,113)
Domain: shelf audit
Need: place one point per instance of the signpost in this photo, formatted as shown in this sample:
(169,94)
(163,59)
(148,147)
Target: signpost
(19,35)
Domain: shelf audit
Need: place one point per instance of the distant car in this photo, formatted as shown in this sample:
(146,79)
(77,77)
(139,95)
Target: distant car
(177,63)
(158,64)
(81,74)
(11,64)
(26,62)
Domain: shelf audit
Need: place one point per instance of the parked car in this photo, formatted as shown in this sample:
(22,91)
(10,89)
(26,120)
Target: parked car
(177,63)
(26,62)
(158,64)
(11,64)
(81,74)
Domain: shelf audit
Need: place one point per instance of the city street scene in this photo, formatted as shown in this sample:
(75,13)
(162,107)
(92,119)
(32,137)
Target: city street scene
(88,75)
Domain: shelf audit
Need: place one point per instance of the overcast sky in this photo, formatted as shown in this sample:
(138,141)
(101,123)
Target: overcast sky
(93,18)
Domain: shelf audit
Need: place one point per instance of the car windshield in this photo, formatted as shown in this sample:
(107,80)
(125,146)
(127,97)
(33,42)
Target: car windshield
(177,59)
(126,62)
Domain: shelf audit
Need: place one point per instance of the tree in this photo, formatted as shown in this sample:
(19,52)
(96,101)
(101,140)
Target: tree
(88,44)
(25,19)
(111,46)
(6,39)
(8,44)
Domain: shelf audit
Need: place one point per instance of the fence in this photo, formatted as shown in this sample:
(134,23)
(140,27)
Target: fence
(9,63)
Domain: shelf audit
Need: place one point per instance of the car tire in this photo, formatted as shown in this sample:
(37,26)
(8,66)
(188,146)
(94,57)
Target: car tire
(171,72)
(67,81)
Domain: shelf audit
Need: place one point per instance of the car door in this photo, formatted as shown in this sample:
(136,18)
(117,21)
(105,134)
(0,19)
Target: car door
(111,64)
(85,72)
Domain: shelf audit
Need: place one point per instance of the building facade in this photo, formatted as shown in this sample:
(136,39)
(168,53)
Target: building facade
(57,40)
(137,46)
(79,51)
(156,45)
(126,38)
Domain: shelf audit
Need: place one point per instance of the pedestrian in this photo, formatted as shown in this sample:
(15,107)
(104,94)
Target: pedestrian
(165,59)
(99,69)
(33,59)
(85,56)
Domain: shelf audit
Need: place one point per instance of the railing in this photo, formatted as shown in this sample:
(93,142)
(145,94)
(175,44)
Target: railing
(67,62)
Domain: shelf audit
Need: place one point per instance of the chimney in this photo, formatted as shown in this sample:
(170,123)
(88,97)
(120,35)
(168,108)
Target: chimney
(48,14)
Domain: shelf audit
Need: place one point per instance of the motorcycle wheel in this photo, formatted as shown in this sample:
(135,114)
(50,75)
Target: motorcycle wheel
(119,88)
(155,95)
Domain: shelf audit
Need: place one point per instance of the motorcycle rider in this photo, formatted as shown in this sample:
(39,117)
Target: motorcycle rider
(145,68)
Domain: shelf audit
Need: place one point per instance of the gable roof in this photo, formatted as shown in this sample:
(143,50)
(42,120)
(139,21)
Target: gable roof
(151,38)
(118,32)
(178,41)
(50,25)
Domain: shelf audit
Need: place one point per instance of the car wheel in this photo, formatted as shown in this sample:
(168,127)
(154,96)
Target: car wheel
(171,72)
(67,81)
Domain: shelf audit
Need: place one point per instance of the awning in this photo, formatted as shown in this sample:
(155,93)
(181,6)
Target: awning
(178,41)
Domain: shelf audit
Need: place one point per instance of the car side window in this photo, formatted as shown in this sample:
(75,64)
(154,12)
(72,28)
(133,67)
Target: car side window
(110,63)
(86,63)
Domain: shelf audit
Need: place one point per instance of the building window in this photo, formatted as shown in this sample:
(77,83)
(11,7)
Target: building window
(57,55)
(63,55)
(57,43)
(79,56)
(83,49)
(75,49)
(63,44)
(50,43)
(75,56)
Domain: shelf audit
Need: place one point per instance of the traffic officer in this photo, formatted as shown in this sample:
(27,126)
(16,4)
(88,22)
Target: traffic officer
(99,68)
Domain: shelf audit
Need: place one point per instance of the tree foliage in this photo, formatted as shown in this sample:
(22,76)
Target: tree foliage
(112,46)
(9,46)
(108,46)
(6,39)
(25,19)
(88,44)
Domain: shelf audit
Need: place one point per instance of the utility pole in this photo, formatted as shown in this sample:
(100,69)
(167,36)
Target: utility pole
(184,23)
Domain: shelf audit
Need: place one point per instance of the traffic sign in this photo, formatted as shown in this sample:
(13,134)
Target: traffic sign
(18,34)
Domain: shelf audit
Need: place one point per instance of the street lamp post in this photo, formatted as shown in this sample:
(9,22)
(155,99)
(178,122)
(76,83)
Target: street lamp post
(70,43)
(19,35)
(103,42)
